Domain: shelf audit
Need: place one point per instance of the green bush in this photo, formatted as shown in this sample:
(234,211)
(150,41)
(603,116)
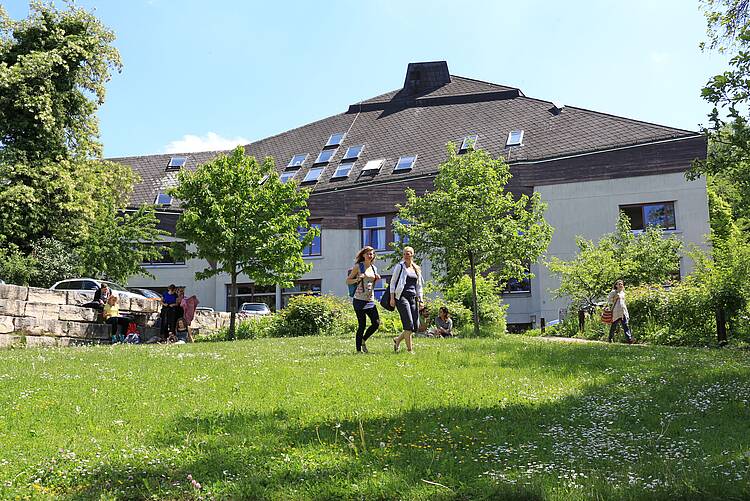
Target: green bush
(313,316)
(489,305)
(250,328)
(458,312)
(15,266)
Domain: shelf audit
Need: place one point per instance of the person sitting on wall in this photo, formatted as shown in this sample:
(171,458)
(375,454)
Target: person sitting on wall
(101,296)
(168,312)
(444,323)
(111,315)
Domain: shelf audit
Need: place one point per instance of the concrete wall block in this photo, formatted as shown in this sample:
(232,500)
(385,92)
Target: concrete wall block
(77,313)
(40,341)
(6,324)
(81,330)
(34,326)
(78,298)
(39,295)
(42,311)
(12,307)
(138,304)
(14,292)
(11,341)
(123,303)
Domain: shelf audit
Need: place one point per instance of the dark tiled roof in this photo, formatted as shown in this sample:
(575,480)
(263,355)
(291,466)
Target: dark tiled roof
(422,125)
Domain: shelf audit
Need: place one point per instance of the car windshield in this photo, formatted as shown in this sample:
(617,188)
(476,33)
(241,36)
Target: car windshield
(254,307)
(115,287)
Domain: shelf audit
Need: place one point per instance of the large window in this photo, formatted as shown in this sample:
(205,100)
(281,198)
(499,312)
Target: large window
(381,286)
(167,256)
(659,214)
(310,287)
(315,248)
(251,293)
(374,232)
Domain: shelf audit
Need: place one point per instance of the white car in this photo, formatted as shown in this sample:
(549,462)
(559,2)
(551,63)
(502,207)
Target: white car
(90,285)
(251,309)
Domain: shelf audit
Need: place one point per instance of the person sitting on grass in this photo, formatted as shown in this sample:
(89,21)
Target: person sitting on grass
(181,331)
(443,323)
(111,315)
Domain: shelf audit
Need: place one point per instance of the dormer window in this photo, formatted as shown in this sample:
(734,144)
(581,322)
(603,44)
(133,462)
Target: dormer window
(325,156)
(469,143)
(405,163)
(353,152)
(335,139)
(287,175)
(176,163)
(515,138)
(163,200)
(343,170)
(373,165)
(313,174)
(297,160)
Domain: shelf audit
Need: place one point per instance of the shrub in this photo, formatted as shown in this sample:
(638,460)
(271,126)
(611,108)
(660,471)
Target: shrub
(489,305)
(54,261)
(459,313)
(251,328)
(312,316)
(16,267)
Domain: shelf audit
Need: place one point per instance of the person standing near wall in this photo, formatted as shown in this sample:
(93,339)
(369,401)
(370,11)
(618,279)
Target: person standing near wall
(620,313)
(168,312)
(364,275)
(407,295)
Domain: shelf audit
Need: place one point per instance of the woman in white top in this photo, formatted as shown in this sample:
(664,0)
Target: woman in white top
(406,294)
(620,313)
(364,274)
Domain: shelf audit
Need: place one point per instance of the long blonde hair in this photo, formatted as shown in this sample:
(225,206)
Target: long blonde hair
(417,268)
(359,258)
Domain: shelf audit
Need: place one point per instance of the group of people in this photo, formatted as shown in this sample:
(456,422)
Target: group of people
(405,293)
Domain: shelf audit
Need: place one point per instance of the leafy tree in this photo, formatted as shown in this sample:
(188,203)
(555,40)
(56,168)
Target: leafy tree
(53,261)
(469,222)
(645,258)
(238,214)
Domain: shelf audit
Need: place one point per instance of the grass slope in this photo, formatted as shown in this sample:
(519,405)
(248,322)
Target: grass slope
(510,418)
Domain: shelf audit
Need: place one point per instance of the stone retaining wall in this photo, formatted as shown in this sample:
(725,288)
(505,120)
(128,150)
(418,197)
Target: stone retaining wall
(31,316)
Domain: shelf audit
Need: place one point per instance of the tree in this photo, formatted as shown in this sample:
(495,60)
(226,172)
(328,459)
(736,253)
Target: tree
(645,258)
(469,222)
(238,214)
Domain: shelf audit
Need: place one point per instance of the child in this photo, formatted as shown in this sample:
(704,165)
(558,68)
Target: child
(111,315)
(181,331)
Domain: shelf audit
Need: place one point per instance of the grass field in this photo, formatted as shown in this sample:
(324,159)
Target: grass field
(507,418)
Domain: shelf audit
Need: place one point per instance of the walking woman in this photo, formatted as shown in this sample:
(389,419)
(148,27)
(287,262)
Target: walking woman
(364,275)
(619,312)
(406,295)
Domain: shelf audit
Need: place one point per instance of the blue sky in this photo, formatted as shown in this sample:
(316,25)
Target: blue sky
(198,73)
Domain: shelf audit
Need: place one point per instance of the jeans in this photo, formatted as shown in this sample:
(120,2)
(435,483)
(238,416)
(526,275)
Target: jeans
(362,315)
(625,329)
(123,323)
(168,320)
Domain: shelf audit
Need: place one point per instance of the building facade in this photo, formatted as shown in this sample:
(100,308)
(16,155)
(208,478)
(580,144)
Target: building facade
(587,166)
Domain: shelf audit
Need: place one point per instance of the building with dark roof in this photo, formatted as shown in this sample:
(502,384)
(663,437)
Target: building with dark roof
(588,166)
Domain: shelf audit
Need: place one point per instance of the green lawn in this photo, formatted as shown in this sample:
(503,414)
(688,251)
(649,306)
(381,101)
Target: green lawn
(509,418)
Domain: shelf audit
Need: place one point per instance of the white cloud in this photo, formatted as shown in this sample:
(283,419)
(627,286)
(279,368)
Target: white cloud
(210,142)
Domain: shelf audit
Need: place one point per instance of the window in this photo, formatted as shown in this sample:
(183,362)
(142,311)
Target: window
(252,293)
(297,160)
(469,143)
(163,199)
(353,152)
(343,170)
(325,156)
(515,138)
(405,163)
(399,238)
(373,232)
(175,163)
(335,139)
(309,287)
(656,214)
(166,255)
(373,165)
(514,285)
(313,174)
(287,175)
(381,286)
(314,249)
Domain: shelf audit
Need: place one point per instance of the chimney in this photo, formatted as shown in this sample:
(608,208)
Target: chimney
(423,77)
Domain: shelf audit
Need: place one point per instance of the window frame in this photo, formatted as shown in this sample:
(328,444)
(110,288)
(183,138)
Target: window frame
(389,234)
(330,144)
(336,174)
(293,164)
(378,161)
(465,146)
(163,204)
(293,173)
(286,294)
(164,261)
(319,238)
(359,153)
(320,169)
(175,163)
(396,168)
(508,142)
(331,151)
(642,206)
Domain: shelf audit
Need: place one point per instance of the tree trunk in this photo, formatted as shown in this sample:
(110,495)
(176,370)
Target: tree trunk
(721,327)
(233,302)
(474,305)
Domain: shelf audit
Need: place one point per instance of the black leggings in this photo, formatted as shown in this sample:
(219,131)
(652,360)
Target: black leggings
(123,323)
(362,321)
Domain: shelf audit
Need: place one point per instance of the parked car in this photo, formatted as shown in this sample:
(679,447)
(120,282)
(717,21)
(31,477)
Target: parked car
(252,309)
(206,309)
(147,293)
(89,286)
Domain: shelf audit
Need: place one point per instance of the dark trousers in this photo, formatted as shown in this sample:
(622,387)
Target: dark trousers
(123,323)
(362,315)
(408,311)
(168,320)
(625,329)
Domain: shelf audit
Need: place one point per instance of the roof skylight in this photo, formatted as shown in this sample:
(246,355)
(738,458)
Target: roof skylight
(287,175)
(343,170)
(353,152)
(335,139)
(405,163)
(325,156)
(163,199)
(313,174)
(175,163)
(297,160)
(515,138)
(373,165)
(469,143)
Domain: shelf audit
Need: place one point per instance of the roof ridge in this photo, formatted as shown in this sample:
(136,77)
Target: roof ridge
(485,82)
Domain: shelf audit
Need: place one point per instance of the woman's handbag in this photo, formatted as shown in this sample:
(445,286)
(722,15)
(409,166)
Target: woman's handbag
(385,301)
(607,315)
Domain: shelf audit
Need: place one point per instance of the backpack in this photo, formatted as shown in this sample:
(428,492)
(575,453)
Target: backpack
(353,287)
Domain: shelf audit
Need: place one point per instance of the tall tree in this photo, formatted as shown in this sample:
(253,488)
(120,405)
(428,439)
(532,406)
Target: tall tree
(469,222)
(238,214)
